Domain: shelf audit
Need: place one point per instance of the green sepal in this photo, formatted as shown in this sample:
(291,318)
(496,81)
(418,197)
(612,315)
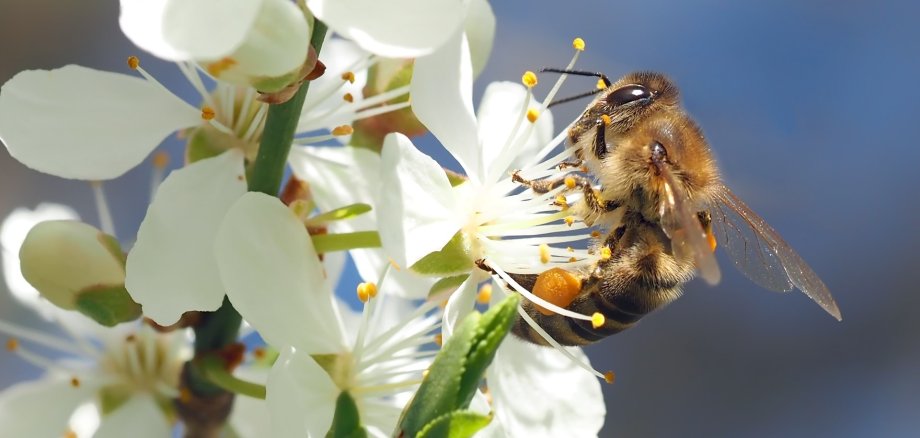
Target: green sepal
(206,141)
(107,305)
(346,423)
(324,243)
(447,283)
(113,397)
(457,424)
(341,213)
(453,259)
(459,367)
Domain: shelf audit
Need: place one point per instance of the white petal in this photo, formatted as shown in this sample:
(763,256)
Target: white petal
(250,416)
(395,28)
(300,395)
(172,268)
(140,417)
(179,30)
(85,420)
(461,303)
(274,277)
(564,400)
(442,99)
(12,233)
(276,43)
(40,407)
(501,109)
(326,92)
(480,32)
(341,176)
(80,123)
(418,213)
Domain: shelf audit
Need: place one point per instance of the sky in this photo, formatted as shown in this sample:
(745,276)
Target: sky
(811,109)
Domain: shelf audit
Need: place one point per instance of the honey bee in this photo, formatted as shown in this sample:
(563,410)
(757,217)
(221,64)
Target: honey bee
(663,203)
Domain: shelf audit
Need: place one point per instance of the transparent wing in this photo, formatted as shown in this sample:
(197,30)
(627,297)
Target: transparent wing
(680,223)
(762,255)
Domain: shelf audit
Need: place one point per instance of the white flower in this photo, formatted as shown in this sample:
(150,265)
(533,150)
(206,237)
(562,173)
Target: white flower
(274,278)
(263,43)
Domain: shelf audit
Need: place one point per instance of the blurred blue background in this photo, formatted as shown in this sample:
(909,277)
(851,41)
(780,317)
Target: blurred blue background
(811,108)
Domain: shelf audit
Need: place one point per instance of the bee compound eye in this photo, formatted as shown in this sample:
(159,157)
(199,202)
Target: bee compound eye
(627,94)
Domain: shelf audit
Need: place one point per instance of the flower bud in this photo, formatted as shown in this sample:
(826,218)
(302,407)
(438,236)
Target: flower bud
(77,267)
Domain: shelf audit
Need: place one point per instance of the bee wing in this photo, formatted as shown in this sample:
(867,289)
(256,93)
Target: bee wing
(680,223)
(762,255)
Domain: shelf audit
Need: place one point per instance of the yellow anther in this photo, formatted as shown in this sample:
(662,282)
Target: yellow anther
(529,79)
(160,160)
(598,320)
(70,434)
(220,66)
(595,234)
(606,119)
(12,344)
(394,264)
(348,97)
(439,339)
(572,259)
(425,373)
(578,44)
(609,377)
(601,84)
(342,130)
(348,76)
(75,382)
(372,289)
(569,220)
(533,115)
(364,291)
(131,338)
(544,253)
(569,182)
(485,294)
(570,249)
(562,202)
(133,62)
(207,113)
(605,253)
(259,353)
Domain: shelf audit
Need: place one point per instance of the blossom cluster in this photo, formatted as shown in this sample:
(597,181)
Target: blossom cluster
(133,309)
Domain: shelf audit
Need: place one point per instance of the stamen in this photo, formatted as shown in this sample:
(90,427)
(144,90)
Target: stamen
(532,115)
(220,66)
(529,79)
(75,382)
(364,291)
(561,202)
(569,220)
(595,234)
(600,86)
(484,296)
(190,71)
(160,161)
(102,209)
(605,254)
(569,182)
(439,339)
(133,62)
(343,130)
(12,344)
(578,44)
(609,377)
(598,320)
(544,253)
(257,122)
(207,113)
(348,98)
(533,324)
(535,299)
(348,76)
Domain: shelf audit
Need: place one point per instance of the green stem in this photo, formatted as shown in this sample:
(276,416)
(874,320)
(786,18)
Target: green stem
(215,370)
(345,241)
(220,329)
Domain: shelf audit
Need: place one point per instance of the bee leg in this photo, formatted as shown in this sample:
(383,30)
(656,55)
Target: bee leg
(577,163)
(545,185)
(600,140)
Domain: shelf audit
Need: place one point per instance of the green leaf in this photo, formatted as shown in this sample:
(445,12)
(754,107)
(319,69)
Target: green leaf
(345,241)
(457,370)
(108,305)
(457,424)
(346,423)
(341,213)
(451,260)
(447,283)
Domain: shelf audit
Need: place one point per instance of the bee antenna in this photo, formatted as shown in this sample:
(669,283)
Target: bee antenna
(602,76)
(575,97)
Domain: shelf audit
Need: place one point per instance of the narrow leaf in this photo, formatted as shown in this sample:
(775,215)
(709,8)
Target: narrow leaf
(341,213)
(457,424)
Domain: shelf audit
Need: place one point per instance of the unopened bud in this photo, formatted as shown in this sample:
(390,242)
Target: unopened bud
(77,267)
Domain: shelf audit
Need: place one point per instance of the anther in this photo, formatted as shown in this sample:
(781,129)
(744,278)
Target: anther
(529,79)
(573,259)
(133,62)
(533,115)
(218,67)
(485,294)
(595,234)
(69,433)
(439,339)
(130,338)
(569,220)
(348,76)
(569,182)
(342,130)
(544,253)
(570,249)
(348,98)
(562,202)
(601,84)
(394,264)
(75,382)
(606,119)
(12,344)
(160,160)
(605,253)
(259,353)
(597,320)
(366,291)
(425,373)
(578,44)
(609,377)
(207,113)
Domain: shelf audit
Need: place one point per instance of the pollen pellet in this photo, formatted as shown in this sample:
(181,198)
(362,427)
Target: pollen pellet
(207,113)
(544,253)
(529,79)
(609,377)
(485,294)
(558,286)
(348,98)
(711,238)
(133,62)
(342,130)
(532,115)
(597,320)
(348,76)
(606,119)
(12,344)
(605,253)
(578,44)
